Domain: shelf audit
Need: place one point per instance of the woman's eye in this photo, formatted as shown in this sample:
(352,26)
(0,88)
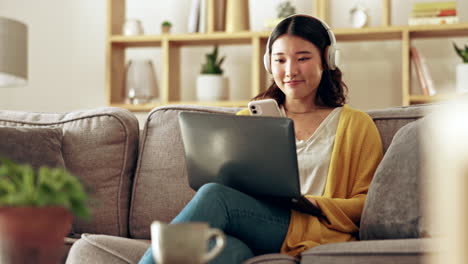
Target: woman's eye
(304,59)
(279,60)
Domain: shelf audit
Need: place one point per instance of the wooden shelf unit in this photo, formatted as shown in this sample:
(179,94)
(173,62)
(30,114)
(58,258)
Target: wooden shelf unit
(170,45)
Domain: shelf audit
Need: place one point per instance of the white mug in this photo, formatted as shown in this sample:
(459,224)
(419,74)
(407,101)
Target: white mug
(185,242)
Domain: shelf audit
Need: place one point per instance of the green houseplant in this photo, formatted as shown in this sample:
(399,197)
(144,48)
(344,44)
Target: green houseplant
(283,10)
(213,64)
(462,53)
(211,85)
(36,208)
(166,26)
(462,69)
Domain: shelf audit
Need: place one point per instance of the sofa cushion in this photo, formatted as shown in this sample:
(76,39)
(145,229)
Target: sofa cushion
(100,147)
(272,259)
(401,251)
(31,145)
(390,120)
(106,249)
(392,209)
(161,188)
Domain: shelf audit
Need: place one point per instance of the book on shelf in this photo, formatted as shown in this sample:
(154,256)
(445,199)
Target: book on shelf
(434,13)
(219,15)
(202,23)
(413,21)
(440,5)
(424,76)
(194,16)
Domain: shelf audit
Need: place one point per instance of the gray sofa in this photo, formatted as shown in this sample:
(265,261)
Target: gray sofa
(136,177)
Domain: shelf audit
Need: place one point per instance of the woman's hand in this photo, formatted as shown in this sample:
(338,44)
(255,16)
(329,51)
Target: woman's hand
(313,201)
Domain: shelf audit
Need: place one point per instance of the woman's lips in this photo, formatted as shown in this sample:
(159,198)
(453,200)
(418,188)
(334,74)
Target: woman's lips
(294,83)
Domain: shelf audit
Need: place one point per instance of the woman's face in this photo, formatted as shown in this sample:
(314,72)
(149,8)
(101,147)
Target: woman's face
(296,66)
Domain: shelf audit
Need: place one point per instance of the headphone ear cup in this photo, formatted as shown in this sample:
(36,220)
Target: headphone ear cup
(331,57)
(266,62)
(337,58)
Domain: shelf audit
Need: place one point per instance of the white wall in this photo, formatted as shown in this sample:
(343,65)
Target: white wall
(66,55)
(67,52)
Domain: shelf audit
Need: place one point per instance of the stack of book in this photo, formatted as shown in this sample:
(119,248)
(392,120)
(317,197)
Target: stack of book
(434,13)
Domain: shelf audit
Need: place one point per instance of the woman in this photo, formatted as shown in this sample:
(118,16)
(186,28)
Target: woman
(338,150)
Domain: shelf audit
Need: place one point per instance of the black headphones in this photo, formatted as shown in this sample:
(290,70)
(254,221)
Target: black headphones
(332,54)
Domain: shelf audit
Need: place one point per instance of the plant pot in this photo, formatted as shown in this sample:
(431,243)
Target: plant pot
(33,234)
(212,87)
(462,78)
(166,29)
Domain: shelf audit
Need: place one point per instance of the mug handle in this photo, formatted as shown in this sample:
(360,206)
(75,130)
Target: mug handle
(220,243)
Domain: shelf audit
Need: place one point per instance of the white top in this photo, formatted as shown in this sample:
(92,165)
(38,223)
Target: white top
(314,154)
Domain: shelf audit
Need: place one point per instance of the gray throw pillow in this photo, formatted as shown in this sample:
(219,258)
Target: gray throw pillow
(38,146)
(392,209)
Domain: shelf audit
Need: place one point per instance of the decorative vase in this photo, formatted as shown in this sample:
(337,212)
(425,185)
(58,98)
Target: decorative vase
(462,78)
(132,27)
(33,234)
(140,84)
(237,15)
(212,87)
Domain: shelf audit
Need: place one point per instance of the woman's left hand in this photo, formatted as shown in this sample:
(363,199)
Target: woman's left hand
(313,201)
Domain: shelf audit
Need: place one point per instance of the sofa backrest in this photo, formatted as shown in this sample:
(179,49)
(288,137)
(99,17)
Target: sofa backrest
(161,188)
(390,120)
(393,208)
(100,147)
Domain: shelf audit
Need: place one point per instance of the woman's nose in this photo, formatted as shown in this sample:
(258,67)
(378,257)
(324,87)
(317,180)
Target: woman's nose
(292,69)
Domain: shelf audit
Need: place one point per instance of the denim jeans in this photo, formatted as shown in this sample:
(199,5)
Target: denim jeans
(252,227)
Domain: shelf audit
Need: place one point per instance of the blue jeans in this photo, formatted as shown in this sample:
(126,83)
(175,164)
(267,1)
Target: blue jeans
(252,227)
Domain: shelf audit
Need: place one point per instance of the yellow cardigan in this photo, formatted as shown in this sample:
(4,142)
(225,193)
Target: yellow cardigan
(356,153)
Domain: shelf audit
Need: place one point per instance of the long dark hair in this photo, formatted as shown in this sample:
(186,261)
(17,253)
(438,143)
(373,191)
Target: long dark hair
(332,90)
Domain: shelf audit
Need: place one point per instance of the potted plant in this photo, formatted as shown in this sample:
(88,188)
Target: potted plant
(284,9)
(166,26)
(211,85)
(462,69)
(36,208)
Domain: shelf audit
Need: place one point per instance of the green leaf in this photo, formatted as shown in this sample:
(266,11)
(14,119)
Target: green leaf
(21,185)
(462,53)
(212,65)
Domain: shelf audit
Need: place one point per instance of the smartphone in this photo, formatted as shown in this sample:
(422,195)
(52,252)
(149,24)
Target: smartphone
(266,107)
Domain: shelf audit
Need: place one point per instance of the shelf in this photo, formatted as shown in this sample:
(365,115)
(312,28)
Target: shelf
(171,44)
(370,33)
(137,41)
(342,34)
(193,39)
(220,38)
(432,31)
(149,107)
(423,99)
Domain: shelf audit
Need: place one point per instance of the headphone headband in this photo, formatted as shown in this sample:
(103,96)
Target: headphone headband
(332,54)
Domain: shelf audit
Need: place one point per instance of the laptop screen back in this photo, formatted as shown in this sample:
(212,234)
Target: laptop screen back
(256,155)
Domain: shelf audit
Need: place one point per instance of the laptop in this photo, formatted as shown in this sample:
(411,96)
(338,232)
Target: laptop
(255,155)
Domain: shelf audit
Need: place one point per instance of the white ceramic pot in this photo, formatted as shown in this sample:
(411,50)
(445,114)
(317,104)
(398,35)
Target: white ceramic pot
(212,87)
(462,78)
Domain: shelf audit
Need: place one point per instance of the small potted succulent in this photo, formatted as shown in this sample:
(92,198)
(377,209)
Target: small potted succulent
(166,26)
(462,69)
(211,84)
(36,208)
